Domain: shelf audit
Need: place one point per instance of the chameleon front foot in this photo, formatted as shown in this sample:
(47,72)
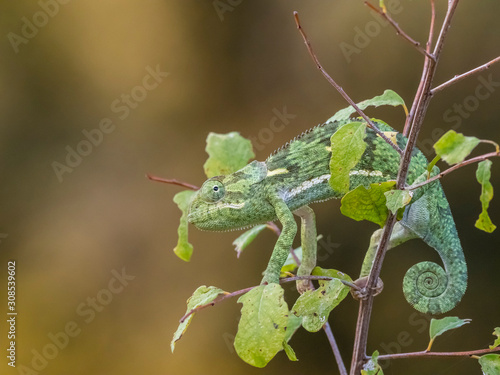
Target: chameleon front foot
(304,285)
(362,293)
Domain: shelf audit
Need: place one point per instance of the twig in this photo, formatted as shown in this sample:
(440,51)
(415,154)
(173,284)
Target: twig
(459,77)
(438,354)
(453,168)
(413,125)
(398,29)
(243,291)
(335,348)
(340,89)
(172,182)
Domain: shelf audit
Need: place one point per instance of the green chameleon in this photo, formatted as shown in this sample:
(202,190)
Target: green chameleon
(297,174)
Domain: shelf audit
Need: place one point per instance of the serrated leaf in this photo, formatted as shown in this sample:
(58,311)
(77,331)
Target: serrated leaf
(372,367)
(348,146)
(483,175)
(367,204)
(389,97)
(314,306)
(490,364)
(290,353)
(201,296)
(496,333)
(227,153)
(396,199)
(247,238)
(454,147)
(184,249)
(262,327)
(440,326)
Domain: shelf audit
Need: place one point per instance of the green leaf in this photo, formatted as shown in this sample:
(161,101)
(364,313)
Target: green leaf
(483,175)
(227,153)
(347,148)
(372,367)
(314,306)
(389,97)
(184,249)
(454,147)
(294,323)
(201,296)
(367,204)
(290,263)
(263,324)
(396,199)
(247,238)
(440,326)
(496,333)
(490,364)
(290,353)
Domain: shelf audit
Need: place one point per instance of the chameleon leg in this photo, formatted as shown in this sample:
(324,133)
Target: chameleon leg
(309,245)
(399,235)
(284,243)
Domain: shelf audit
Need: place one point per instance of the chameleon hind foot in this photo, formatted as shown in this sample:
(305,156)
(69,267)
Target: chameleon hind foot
(362,293)
(304,285)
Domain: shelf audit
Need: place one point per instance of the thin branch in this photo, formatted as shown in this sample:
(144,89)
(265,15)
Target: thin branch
(172,182)
(399,31)
(340,89)
(438,354)
(453,168)
(459,77)
(431,27)
(335,348)
(243,291)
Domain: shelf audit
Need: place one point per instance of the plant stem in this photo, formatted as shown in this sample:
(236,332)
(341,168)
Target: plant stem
(172,182)
(335,349)
(438,354)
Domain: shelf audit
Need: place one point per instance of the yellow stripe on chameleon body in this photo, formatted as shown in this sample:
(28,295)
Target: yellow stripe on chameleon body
(277,171)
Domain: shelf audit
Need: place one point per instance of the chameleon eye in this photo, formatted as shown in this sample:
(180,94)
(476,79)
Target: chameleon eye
(212,190)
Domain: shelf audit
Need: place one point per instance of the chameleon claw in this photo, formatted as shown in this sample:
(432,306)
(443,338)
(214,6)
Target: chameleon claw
(361,293)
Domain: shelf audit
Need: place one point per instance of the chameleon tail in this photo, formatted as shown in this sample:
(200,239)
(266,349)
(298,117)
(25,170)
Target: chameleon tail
(426,286)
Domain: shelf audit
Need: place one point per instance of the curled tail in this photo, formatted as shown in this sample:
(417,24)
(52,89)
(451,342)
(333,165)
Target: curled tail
(426,286)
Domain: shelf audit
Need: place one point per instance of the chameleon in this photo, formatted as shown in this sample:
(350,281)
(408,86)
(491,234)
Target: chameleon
(297,174)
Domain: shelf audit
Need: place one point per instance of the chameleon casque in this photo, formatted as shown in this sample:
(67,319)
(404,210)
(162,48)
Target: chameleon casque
(297,174)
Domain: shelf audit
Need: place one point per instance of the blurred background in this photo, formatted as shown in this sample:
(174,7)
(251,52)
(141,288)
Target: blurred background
(96,94)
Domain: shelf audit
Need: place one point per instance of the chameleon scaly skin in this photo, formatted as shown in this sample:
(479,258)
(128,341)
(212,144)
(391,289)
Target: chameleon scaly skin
(297,175)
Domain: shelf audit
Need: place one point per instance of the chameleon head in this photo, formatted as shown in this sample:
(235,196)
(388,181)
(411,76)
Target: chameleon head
(226,202)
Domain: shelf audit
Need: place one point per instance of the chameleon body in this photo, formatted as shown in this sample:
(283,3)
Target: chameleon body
(297,175)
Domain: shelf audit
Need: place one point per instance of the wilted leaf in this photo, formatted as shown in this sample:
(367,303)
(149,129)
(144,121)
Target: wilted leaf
(372,367)
(348,146)
(397,199)
(389,97)
(262,327)
(247,238)
(367,204)
(314,306)
(227,153)
(184,249)
(483,175)
(201,296)
(496,332)
(440,326)
(490,364)
(454,147)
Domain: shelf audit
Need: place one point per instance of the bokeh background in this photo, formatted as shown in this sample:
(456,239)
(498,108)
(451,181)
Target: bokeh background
(231,65)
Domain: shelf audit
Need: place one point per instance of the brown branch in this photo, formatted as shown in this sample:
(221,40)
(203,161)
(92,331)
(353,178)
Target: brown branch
(412,126)
(398,29)
(459,77)
(438,354)
(172,182)
(335,348)
(243,291)
(453,168)
(340,89)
